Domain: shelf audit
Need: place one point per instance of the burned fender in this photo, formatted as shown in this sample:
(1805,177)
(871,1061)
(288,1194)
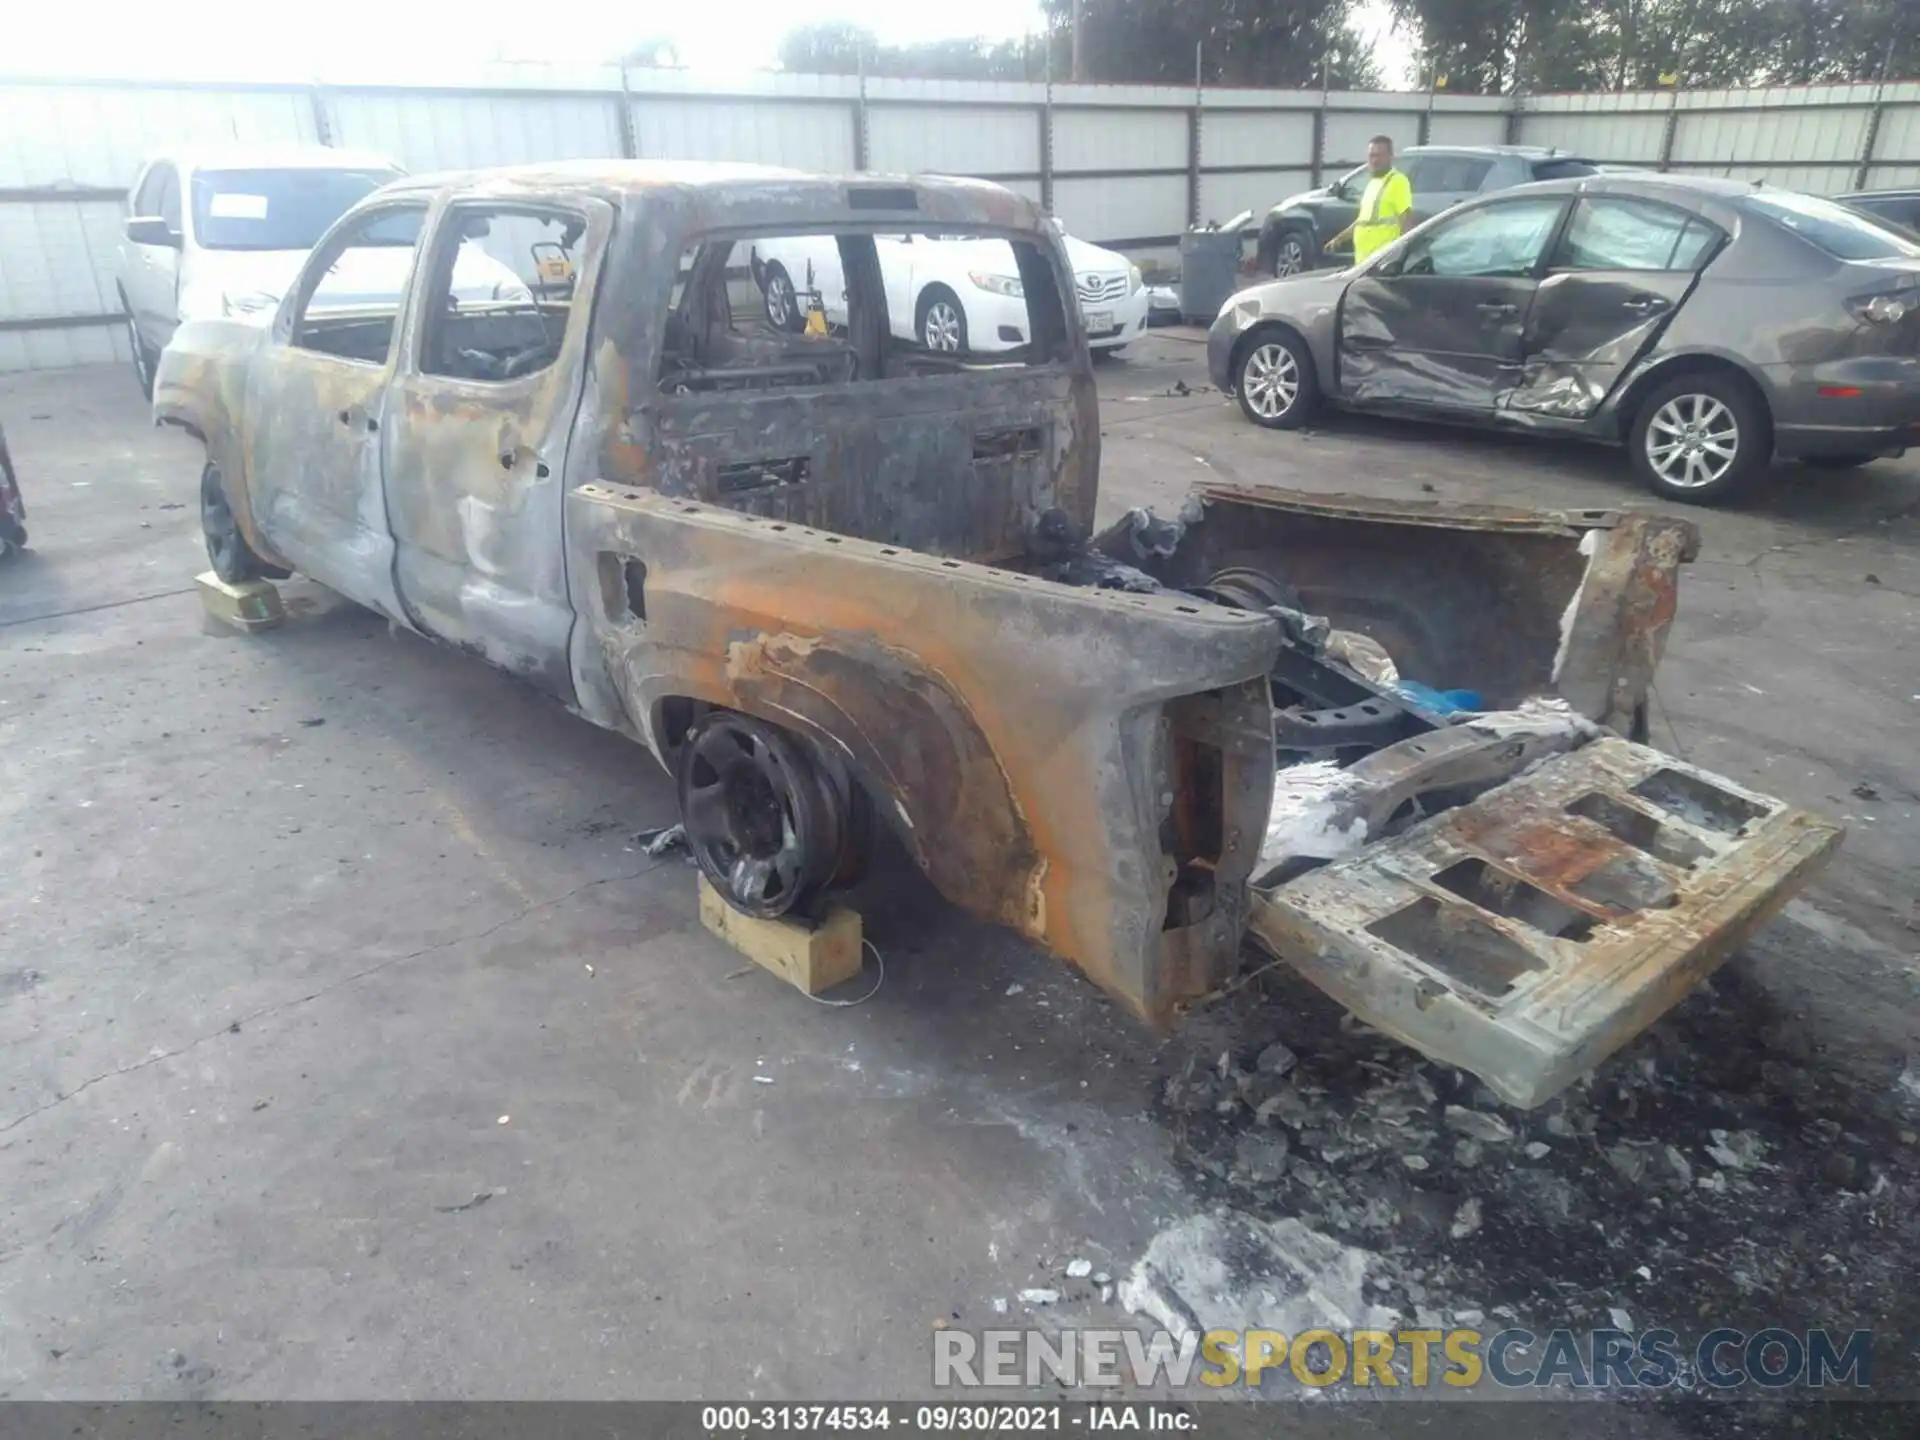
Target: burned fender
(199,385)
(1090,768)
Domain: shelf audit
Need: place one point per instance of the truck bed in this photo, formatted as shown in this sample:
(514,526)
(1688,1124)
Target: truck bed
(1098,744)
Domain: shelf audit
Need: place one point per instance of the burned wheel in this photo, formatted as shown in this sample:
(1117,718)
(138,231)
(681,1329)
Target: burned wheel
(764,821)
(232,558)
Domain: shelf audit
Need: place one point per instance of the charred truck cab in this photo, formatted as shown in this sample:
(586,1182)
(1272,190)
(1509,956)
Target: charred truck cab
(835,578)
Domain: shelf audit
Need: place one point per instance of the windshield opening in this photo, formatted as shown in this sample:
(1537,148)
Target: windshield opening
(1838,231)
(276,209)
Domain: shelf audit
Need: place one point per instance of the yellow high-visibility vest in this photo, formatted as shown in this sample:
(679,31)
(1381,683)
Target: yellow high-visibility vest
(1386,199)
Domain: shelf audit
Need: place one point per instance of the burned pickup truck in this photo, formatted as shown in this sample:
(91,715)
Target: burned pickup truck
(835,578)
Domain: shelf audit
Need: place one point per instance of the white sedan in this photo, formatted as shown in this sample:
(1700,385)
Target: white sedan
(956,295)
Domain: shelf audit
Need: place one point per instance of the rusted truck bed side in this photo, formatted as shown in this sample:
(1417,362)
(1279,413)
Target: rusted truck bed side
(1511,603)
(1088,767)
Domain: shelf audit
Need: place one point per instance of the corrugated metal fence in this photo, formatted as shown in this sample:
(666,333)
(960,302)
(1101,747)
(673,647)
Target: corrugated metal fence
(1127,165)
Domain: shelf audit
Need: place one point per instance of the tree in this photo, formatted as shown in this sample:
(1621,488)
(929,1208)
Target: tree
(834,48)
(1496,46)
(1242,42)
(1273,43)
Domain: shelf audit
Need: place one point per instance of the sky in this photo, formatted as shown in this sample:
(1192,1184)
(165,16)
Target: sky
(239,39)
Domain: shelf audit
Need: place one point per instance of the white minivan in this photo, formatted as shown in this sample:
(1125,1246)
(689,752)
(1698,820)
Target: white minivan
(222,233)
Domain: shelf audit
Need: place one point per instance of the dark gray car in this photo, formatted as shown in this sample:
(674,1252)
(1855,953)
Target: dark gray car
(1295,233)
(1709,325)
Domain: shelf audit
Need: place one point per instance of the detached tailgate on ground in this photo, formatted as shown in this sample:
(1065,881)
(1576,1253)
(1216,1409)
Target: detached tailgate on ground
(1528,935)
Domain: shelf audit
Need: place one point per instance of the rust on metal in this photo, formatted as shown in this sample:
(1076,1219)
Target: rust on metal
(1477,938)
(864,559)
(1028,736)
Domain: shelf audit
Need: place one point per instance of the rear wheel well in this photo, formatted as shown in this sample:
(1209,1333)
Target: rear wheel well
(673,720)
(1662,375)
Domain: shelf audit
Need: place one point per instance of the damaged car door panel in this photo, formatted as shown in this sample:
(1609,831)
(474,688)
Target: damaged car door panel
(846,573)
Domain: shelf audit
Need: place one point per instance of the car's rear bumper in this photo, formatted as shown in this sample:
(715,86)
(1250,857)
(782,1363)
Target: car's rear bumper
(1865,405)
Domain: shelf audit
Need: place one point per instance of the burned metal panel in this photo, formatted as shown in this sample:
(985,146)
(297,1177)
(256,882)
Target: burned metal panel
(675,442)
(1509,603)
(200,385)
(1089,767)
(1528,935)
(1586,328)
(310,433)
(1322,811)
(954,465)
(476,471)
(1614,630)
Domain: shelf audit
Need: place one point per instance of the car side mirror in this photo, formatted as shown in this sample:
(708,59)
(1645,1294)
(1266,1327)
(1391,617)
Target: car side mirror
(152,230)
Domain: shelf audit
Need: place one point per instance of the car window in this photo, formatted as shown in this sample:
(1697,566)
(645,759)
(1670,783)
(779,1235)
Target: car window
(1901,210)
(1353,182)
(782,311)
(275,209)
(169,201)
(1506,238)
(146,199)
(1473,174)
(1842,233)
(352,307)
(1559,167)
(1452,174)
(1620,234)
(501,291)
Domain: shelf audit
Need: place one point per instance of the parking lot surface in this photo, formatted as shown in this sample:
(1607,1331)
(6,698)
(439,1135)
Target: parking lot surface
(353,1049)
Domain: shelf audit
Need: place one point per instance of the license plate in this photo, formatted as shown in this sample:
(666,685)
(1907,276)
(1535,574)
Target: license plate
(1098,320)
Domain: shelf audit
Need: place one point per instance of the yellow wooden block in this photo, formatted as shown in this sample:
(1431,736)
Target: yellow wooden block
(810,957)
(249,606)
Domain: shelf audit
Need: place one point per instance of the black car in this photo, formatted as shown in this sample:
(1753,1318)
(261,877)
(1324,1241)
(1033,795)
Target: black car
(13,510)
(1901,207)
(1296,231)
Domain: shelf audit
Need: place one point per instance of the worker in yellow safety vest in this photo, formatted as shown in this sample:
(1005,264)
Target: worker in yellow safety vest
(1386,207)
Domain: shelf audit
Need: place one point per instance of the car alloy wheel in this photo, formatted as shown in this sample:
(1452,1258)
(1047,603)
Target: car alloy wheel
(1692,442)
(782,304)
(1292,257)
(941,329)
(1271,380)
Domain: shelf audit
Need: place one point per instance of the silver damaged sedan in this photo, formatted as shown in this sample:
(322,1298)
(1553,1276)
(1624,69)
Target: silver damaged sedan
(1707,325)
